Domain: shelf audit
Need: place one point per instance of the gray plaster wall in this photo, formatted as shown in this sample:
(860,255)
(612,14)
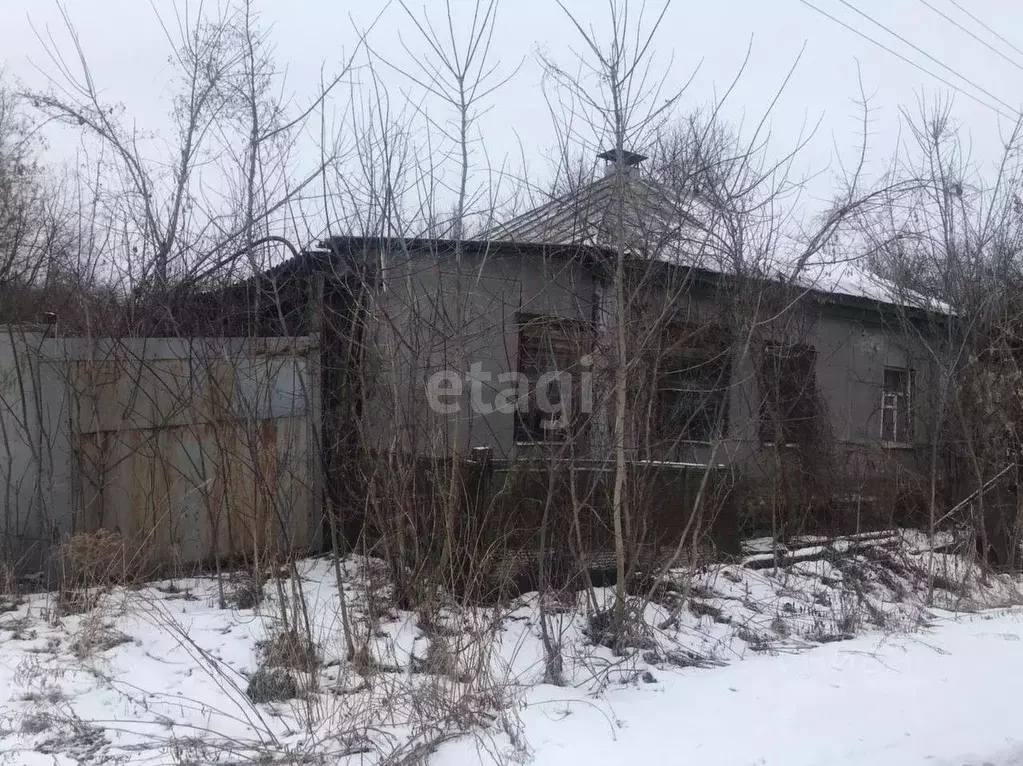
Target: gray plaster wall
(428,309)
(427,312)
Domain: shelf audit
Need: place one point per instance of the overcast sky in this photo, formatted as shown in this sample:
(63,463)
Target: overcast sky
(128,54)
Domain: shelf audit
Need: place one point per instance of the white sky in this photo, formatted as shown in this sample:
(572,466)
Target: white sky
(128,54)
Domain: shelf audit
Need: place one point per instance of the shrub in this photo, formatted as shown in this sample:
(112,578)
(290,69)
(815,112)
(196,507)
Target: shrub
(272,685)
(243,592)
(289,649)
(36,723)
(101,558)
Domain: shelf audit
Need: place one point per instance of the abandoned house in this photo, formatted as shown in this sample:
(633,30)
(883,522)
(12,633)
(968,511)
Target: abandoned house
(813,394)
(790,403)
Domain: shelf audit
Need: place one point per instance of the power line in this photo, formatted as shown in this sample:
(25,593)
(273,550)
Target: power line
(921,51)
(902,58)
(989,29)
(972,34)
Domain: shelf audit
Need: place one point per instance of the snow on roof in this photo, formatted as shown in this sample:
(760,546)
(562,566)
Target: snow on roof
(658,226)
(850,278)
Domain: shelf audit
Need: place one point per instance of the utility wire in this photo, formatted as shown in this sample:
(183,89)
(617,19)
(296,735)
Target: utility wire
(972,34)
(921,51)
(902,58)
(989,29)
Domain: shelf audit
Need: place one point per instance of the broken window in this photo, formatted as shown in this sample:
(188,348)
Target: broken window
(789,387)
(692,385)
(550,350)
(896,401)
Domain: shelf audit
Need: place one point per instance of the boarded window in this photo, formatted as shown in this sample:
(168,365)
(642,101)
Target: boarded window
(550,350)
(896,403)
(788,383)
(692,385)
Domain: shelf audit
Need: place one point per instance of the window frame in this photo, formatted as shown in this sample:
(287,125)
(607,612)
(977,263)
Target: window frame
(524,431)
(706,346)
(899,440)
(791,425)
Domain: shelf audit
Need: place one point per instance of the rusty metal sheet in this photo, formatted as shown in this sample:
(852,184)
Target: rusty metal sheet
(198,459)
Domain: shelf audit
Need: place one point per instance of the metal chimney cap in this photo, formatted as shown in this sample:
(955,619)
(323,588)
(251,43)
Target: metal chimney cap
(629,159)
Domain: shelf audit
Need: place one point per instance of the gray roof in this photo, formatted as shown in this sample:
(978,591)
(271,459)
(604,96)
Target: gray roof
(660,226)
(656,225)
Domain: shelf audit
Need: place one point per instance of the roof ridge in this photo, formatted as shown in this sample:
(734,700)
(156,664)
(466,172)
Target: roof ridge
(580,215)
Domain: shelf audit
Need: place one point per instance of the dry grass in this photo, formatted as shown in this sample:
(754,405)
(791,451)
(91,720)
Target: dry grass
(101,558)
(8,577)
(440,659)
(36,723)
(242,592)
(289,649)
(20,628)
(71,602)
(269,684)
(49,694)
(95,637)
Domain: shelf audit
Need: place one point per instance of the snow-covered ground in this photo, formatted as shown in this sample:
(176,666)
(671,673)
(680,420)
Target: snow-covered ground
(945,696)
(883,653)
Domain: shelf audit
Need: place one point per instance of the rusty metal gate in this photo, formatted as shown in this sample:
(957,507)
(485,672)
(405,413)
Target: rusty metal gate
(193,449)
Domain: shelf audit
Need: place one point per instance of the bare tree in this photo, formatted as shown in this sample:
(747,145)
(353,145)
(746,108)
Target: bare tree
(624,104)
(952,247)
(227,95)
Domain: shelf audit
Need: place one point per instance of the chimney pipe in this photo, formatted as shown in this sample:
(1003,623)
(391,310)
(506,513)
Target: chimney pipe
(629,161)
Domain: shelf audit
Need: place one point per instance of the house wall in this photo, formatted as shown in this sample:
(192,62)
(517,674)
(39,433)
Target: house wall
(421,325)
(853,353)
(859,478)
(427,311)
